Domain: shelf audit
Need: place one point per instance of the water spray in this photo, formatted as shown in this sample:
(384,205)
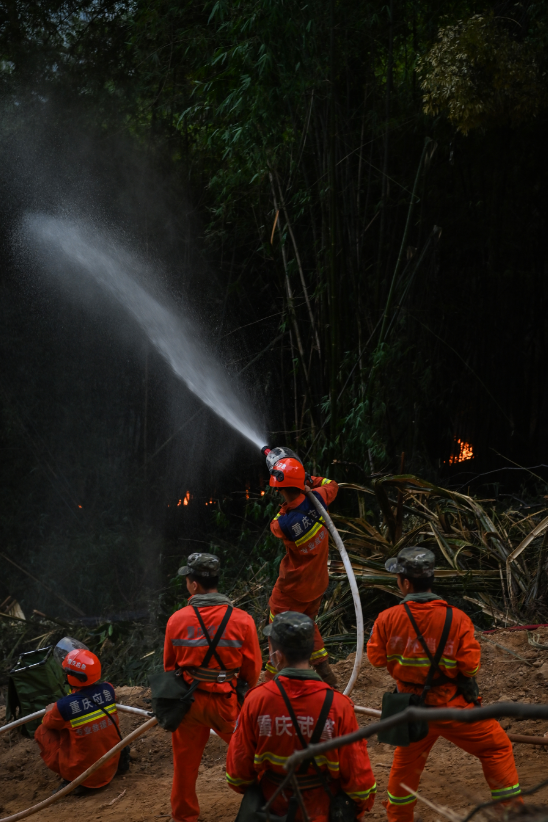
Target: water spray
(274,455)
(71,248)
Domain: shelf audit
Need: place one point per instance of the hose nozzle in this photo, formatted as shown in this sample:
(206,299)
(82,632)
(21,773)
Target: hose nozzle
(265,450)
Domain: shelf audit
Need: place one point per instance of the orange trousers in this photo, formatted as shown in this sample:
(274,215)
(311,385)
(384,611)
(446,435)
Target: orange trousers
(209,710)
(280,602)
(486,740)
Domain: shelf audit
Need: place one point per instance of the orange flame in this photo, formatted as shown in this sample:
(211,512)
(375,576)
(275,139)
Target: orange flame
(466,452)
(247,493)
(262,493)
(186,499)
(79,506)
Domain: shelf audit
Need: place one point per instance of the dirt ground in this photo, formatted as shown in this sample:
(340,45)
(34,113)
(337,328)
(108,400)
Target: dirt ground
(451,777)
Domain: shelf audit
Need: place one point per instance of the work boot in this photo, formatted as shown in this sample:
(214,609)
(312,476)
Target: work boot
(327,673)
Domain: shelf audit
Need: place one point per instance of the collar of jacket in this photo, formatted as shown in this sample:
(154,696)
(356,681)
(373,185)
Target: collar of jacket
(299,673)
(203,600)
(289,506)
(425,596)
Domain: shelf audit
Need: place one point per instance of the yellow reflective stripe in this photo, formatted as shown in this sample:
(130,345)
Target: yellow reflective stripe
(93,717)
(420,661)
(232,780)
(274,759)
(363,794)
(325,481)
(318,654)
(278,515)
(271,617)
(499,793)
(401,800)
(312,533)
(270,668)
(471,673)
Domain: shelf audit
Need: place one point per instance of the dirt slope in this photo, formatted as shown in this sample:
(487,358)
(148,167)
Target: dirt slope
(451,777)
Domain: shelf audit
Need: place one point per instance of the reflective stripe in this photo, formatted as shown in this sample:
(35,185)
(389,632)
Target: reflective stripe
(361,795)
(503,793)
(233,781)
(274,759)
(401,800)
(420,661)
(271,669)
(317,654)
(278,515)
(471,673)
(92,717)
(271,617)
(202,643)
(325,481)
(309,534)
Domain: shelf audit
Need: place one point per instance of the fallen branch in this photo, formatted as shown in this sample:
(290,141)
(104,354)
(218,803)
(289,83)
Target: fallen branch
(499,709)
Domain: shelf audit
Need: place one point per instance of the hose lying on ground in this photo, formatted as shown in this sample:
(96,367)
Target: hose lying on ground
(82,778)
(37,714)
(353,587)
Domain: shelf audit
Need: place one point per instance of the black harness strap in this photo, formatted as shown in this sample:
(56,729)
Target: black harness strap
(434,660)
(318,729)
(212,652)
(108,716)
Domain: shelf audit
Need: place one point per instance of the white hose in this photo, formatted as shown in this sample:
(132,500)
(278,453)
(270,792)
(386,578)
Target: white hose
(127,709)
(353,587)
(24,719)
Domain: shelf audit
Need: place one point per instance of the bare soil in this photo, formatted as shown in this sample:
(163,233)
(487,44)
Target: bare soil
(451,777)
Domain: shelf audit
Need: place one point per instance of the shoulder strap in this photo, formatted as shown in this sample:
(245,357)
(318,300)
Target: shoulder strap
(108,716)
(320,724)
(434,660)
(215,641)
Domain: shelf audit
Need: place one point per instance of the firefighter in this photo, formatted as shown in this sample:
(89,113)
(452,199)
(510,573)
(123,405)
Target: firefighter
(266,734)
(303,576)
(235,666)
(394,645)
(79,728)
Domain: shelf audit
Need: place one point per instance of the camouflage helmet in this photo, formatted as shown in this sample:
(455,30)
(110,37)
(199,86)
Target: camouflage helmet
(291,631)
(413,562)
(202,565)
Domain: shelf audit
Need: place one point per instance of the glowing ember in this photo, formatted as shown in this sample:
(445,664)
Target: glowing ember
(262,493)
(79,506)
(466,452)
(187,498)
(247,493)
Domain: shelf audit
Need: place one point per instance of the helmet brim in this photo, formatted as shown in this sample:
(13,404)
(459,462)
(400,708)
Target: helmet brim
(184,571)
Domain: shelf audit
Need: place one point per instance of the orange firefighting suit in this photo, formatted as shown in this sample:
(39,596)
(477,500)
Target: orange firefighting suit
(265,738)
(394,645)
(303,576)
(76,733)
(215,704)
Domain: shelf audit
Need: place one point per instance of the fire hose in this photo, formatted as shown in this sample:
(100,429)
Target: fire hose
(353,587)
(146,726)
(152,722)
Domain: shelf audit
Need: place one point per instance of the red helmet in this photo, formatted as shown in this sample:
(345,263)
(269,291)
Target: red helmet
(287,473)
(82,668)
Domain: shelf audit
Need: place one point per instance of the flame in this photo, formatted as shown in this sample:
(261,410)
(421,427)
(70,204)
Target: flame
(180,503)
(262,493)
(79,506)
(247,493)
(186,499)
(466,452)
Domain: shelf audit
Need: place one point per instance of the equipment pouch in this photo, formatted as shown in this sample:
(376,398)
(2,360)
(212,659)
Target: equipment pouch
(402,735)
(250,809)
(342,808)
(171,698)
(468,687)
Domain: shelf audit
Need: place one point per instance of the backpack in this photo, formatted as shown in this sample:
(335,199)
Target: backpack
(36,680)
